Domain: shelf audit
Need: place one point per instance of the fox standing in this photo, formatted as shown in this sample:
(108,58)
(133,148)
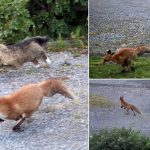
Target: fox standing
(22,103)
(128,106)
(125,55)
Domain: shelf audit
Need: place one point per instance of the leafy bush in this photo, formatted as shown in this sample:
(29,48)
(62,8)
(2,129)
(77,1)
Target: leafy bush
(21,18)
(14,20)
(119,139)
(54,17)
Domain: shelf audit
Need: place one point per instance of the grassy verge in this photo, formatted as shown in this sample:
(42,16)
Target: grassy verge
(76,44)
(99,101)
(111,70)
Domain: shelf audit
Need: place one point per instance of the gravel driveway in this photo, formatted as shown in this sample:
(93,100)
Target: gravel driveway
(60,123)
(118,23)
(135,91)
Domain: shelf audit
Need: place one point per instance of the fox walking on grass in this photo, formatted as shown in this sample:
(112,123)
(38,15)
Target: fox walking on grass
(22,103)
(127,106)
(125,56)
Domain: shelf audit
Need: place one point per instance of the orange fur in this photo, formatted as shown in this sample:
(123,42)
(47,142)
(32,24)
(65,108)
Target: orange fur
(125,55)
(25,101)
(127,106)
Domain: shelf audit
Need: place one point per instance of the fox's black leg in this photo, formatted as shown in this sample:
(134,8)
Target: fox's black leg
(123,71)
(123,107)
(125,64)
(130,65)
(133,112)
(17,128)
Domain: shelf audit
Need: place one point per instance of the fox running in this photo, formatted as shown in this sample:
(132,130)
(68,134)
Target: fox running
(127,106)
(22,103)
(125,56)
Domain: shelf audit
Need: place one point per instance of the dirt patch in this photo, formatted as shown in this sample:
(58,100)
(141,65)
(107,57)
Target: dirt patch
(99,101)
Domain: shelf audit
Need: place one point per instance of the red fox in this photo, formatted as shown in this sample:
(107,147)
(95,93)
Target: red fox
(22,103)
(125,55)
(128,106)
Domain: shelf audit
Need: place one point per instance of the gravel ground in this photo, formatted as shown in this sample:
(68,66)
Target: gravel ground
(116,23)
(60,123)
(135,91)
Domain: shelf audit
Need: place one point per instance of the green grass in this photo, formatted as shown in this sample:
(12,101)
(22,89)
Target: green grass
(99,101)
(61,45)
(57,46)
(112,70)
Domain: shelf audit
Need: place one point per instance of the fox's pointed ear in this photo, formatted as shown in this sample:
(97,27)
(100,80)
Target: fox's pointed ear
(108,51)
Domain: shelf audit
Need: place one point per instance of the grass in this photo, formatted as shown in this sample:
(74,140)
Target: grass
(112,70)
(75,41)
(58,45)
(76,46)
(76,54)
(99,101)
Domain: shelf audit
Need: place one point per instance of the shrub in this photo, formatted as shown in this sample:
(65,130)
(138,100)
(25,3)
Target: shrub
(21,18)
(54,17)
(14,20)
(119,139)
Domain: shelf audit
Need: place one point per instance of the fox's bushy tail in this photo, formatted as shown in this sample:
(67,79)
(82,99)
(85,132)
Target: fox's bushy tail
(142,49)
(137,110)
(53,86)
(65,91)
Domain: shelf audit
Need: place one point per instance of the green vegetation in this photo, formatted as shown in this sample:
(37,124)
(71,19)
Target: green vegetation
(21,18)
(76,54)
(58,45)
(112,70)
(61,44)
(99,101)
(119,139)
(14,20)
